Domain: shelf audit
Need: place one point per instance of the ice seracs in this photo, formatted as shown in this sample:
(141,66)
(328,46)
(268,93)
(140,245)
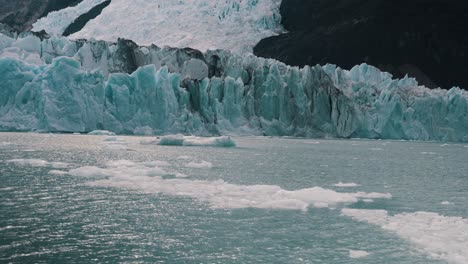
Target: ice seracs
(60,85)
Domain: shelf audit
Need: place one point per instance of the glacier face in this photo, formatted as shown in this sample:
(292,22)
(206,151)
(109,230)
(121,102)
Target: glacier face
(79,86)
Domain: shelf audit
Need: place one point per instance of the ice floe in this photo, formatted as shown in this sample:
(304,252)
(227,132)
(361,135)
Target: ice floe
(347,185)
(148,178)
(358,253)
(441,237)
(181,140)
(39,163)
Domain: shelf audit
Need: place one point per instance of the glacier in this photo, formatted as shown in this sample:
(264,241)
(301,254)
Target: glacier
(56,22)
(60,85)
(200,24)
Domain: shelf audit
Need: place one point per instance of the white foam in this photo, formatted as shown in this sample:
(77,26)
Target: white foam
(180,140)
(445,203)
(219,194)
(347,185)
(200,165)
(441,237)
(358,254)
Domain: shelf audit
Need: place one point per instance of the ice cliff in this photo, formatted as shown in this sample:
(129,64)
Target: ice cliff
(78,86)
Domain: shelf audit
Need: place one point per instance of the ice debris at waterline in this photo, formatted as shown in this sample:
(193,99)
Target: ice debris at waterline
(181,140)
(441,237)
(59,85)
(149,178)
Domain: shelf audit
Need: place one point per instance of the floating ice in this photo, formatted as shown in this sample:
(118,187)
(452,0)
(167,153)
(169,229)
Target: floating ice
(57,172)
(101,133)
(180,140)
(200,165)
(29,162)
(358,254)
(219,194)
(441,237)
(39,163)
(201,24)
(347,185)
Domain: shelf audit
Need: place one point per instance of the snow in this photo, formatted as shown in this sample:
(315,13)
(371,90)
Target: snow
(358,254)
(441,237)
(200,24)
(347,185)
(56,22)
(82,87)
(217,193)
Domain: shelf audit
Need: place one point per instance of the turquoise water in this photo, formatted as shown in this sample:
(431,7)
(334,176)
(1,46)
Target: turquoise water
(63,218)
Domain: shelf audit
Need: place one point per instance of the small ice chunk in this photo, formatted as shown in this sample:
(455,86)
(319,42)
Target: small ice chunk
(358,254)
(181,175)
(29,162)
(59,165)
(156,163)
(347,185)
(200,165)
(101,133)
(181,140)
(57,172)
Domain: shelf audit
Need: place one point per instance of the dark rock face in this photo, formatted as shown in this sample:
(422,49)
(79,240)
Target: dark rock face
(21,14)
(426,39)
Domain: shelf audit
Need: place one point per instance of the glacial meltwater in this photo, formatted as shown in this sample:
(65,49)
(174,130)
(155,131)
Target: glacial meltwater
(127,199)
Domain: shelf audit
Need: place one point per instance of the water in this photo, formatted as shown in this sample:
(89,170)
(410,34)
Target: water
(51,218)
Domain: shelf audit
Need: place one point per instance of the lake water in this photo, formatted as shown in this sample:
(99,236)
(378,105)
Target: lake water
(101,199)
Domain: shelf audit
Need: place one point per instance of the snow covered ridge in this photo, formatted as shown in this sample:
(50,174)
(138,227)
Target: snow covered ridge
(235,25)
(56,22)
(60,85)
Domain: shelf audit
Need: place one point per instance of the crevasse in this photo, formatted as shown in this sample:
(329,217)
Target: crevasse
(78,86)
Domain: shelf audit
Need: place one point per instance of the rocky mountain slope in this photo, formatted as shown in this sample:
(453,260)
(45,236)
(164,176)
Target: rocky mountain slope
(425,39)
(21,14)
